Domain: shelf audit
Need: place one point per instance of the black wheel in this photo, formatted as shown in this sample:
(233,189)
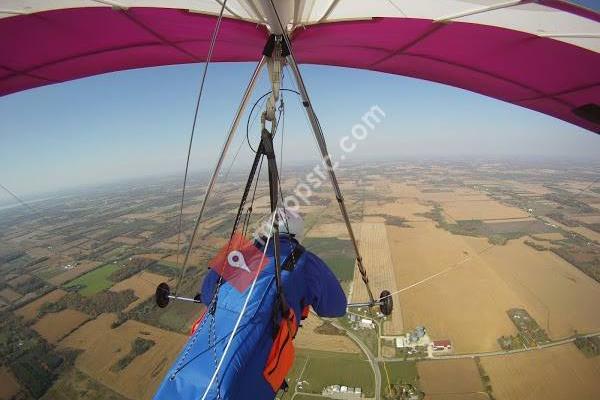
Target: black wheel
(387,303)
(162,295)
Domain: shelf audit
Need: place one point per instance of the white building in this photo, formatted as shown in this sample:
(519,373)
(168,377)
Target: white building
(342,392)
(366,323)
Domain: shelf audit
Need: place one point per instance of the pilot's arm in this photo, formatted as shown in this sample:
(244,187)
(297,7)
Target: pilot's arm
(325,293)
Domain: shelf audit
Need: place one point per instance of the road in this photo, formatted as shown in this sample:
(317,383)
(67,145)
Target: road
(501,352)
(372,359)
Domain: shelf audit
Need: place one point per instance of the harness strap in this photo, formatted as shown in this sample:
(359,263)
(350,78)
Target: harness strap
(290,262)
(282,354)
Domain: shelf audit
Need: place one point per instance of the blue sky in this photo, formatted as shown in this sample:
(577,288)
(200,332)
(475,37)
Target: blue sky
(137,123)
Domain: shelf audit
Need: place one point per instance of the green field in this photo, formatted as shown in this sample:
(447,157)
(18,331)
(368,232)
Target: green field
(94,281)
(323,368)
(399,372)
(338,254)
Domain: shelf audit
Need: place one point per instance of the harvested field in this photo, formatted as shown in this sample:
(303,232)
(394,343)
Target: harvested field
(548,236)
(9,386)
(554,373)
(588,233)
(458,195)
(55,326)
(462,209)
(38,252)
(143,285)
(533,188)
(437,270)
(496,279)
(152,256)
(375,250)
(565,294)
(406,209)
(334,230)
(460,396)
(10,295)
(30,311)
(443,377)
(526,226)
(586,219)
(126,240)
(74,384)
(398,190)
(70,274)
(171,242)
(104,346)
(309,339)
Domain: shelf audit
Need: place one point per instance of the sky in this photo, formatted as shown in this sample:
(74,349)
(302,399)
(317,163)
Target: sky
(137,124)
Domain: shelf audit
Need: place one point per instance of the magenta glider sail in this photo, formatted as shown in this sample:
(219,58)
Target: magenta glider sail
(542,55)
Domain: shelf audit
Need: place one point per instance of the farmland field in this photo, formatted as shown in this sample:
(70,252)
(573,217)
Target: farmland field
(555,373)
(309,339)
(329,368)
(77,385)
(436,284)
(459,396)
(9,385)
(375,250)
(563,302)
(443,377)
(10,295)
(481,209)
(469,247)
(62,277)
(94,281)
(55,326)
(127,240)
(143,284)
(30,311)
(495,283)
(103,347)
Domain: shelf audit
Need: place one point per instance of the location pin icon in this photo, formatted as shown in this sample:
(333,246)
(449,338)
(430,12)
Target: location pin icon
(235,258)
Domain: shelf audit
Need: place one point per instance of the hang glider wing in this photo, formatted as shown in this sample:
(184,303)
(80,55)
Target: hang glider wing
(542,55)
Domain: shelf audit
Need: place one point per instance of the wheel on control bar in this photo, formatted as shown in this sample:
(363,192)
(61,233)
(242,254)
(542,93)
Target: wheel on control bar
(386,302)
(162,295)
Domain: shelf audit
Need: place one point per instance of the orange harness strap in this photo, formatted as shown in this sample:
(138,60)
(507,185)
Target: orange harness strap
(305,312)
(196,324)
(282,354)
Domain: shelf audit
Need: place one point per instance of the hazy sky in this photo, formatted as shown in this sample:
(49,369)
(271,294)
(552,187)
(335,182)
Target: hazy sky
(137,123)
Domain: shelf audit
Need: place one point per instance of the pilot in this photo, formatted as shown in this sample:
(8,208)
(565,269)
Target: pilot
(261,353)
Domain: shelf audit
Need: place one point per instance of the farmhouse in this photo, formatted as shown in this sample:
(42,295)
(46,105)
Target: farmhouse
(440,346)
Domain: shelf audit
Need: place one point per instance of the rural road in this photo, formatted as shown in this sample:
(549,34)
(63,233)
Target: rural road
(372,359)
(501,352)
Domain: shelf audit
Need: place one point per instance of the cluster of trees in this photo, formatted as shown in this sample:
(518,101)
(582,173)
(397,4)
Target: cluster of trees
(8,255)
(30,285)
(590,346)
(102,302)
(138,346)
(34,362)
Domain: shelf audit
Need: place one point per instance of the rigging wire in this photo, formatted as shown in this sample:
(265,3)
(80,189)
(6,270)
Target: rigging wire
(444,271)
(22,202)
(211,48)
